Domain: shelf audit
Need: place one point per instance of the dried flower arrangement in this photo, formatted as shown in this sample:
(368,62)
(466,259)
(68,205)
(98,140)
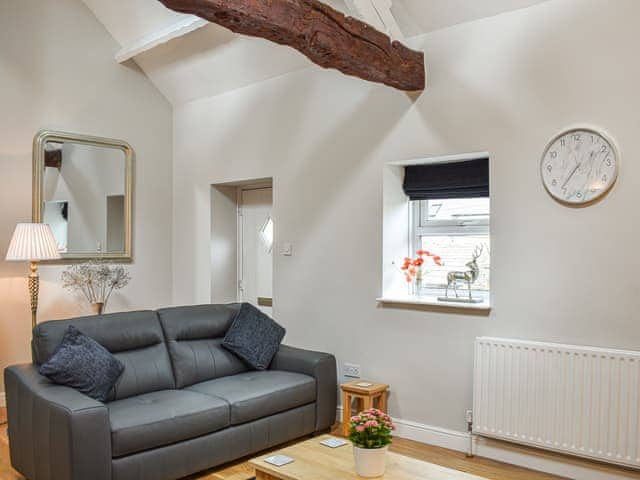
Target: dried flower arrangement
(96,279)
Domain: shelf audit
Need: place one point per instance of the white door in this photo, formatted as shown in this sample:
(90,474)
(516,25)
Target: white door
(256,245)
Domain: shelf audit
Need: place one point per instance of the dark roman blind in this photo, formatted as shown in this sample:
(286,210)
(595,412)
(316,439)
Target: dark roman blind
(439,181)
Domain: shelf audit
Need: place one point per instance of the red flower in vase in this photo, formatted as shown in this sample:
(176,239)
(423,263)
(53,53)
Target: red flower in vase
(413,268)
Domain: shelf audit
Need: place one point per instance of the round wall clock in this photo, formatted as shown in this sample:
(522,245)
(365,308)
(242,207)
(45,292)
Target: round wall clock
(579,166)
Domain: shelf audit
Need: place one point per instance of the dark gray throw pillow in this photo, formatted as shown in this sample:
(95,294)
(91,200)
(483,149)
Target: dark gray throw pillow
(82,363)
(254,337)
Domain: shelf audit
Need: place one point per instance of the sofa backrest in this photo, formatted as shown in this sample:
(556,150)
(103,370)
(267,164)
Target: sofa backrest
(135,338)
(194,336)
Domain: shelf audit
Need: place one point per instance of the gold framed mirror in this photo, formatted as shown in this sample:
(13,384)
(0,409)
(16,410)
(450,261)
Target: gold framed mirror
(83,188)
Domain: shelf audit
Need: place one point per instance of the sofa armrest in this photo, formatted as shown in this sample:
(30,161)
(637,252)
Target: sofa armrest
(321,366)
(55,432)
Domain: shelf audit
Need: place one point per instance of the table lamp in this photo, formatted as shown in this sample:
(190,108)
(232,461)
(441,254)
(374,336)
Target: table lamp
(33,242)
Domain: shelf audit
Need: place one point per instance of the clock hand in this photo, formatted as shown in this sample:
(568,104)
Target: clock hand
(573,172)
(577,167)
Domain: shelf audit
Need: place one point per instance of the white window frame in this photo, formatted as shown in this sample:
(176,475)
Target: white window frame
(421,226)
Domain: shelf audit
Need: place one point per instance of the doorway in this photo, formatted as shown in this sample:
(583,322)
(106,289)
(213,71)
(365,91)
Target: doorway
(255,247)
(242,243)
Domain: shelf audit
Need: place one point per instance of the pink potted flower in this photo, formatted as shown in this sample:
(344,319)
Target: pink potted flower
(370,433)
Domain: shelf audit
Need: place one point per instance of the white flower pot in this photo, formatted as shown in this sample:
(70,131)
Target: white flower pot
(370,462)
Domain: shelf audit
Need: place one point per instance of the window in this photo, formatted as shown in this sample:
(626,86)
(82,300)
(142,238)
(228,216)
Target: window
(266,234)
(449,217)
(461,212)
(455,230)
(440,205)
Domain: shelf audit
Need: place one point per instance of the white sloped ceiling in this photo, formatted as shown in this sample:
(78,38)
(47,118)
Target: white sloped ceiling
(422,16)
(130,20)
(211,60)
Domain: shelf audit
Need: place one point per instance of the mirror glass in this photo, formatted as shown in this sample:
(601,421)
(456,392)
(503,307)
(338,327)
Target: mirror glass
(84,194)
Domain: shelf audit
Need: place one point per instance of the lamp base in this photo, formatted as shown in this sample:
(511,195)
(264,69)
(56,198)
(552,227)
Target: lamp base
(34,287)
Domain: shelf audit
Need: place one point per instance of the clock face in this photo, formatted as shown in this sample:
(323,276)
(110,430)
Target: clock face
(579,166)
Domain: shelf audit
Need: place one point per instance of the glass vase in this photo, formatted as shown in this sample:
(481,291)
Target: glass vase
(97,308)
(416,287)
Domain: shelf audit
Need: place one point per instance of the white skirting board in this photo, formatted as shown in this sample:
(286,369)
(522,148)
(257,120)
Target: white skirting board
(574,468)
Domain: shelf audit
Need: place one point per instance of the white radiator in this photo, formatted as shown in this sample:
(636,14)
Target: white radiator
(582,401)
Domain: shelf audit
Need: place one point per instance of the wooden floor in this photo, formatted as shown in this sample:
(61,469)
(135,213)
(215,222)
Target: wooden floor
(482,467)
(241,471)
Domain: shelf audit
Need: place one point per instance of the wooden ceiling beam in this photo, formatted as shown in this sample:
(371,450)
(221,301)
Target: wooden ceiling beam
(53,157)
(327,37)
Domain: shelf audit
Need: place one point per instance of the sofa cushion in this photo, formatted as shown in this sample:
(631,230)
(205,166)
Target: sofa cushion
(194,335)
(161,418)
(82,363)
(116,332)
(254,395)
(134,338)
(254,337)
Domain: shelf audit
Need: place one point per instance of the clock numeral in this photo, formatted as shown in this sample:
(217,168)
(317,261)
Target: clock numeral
(549,168)
(609,163)
(579,195)
(577,137)
(563,142)
(554,182)
(554,154)
(603,149)
(605,178)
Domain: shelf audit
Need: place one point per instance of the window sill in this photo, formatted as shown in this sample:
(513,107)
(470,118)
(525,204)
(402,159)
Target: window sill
(432,301)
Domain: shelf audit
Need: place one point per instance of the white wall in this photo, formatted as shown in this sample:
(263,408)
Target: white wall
(224,244)
(57,71)
(504,85)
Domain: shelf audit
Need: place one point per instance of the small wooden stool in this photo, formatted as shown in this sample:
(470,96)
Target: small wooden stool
(365,396)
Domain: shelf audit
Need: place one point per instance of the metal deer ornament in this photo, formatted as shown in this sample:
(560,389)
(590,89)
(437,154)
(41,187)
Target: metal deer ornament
(469,277)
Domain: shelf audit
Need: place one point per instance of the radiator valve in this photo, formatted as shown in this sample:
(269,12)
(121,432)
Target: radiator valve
(469,417)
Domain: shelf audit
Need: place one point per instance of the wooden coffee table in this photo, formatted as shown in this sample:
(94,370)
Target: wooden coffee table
(313,461)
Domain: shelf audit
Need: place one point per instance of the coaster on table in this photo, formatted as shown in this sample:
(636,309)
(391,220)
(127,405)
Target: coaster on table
(279,460)
(364,384)
(333,442)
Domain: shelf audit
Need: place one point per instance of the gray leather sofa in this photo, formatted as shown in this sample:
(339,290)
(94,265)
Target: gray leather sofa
(182,405)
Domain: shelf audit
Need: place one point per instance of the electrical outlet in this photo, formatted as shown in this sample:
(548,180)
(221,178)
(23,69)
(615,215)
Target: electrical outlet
(469,416)
(351,370)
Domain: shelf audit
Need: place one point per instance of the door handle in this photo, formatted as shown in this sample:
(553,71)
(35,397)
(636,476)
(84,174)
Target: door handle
(265,301)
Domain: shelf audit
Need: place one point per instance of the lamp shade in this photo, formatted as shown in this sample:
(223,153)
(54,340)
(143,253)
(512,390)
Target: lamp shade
(33,242)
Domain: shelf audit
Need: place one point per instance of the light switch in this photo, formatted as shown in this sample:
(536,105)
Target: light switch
(287,249)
